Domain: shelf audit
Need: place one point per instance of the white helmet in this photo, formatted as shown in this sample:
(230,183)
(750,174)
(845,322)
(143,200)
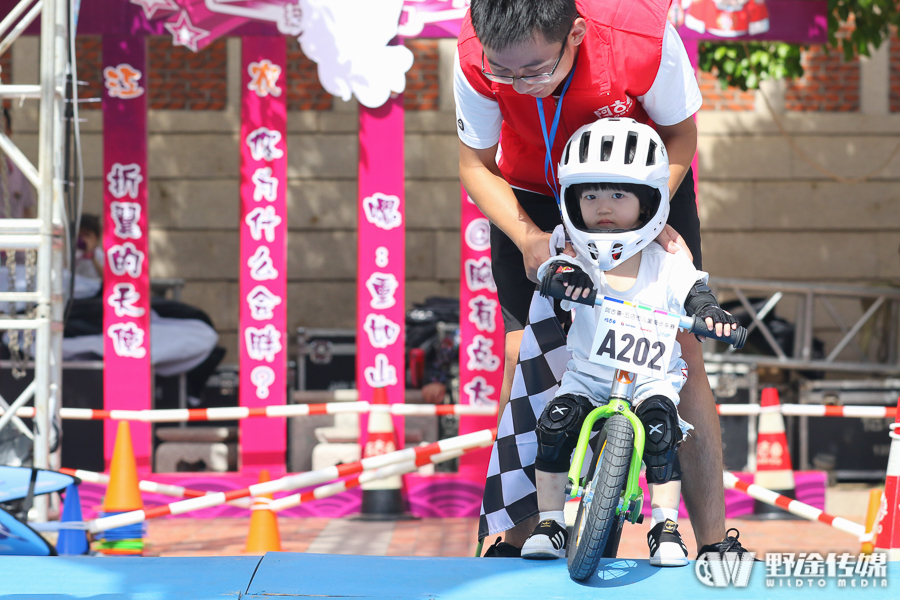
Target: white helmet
(614,151)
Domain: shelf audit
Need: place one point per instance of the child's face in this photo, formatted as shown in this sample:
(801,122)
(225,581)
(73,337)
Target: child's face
(610,209)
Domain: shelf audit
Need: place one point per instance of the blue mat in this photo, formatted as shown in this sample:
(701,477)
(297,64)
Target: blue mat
(370,577)
(125,577)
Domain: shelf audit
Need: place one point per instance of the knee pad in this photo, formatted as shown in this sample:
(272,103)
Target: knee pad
(662,437)
(557,431)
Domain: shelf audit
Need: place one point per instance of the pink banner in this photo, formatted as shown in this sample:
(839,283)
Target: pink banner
(126,277)
(380,332)
(263,279)
(481,331)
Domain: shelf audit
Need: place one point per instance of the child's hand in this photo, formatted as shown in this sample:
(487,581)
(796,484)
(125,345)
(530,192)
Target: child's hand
(578,283)
(718,319)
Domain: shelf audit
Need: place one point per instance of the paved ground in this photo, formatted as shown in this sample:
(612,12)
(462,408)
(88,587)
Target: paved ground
(448,537)
(456,537)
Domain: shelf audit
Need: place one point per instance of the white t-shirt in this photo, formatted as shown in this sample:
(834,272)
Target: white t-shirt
(663,282)
(673,97)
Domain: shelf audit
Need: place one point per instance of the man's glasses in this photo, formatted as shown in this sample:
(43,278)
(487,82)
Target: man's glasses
(529,79)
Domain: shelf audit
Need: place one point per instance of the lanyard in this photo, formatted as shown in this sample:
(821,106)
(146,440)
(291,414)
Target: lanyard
(549,171)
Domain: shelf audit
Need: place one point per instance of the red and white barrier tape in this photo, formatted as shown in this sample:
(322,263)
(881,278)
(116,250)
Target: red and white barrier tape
(481,438)
(382,473)
(810,410)
(152,487)
(795,507)
(180,415)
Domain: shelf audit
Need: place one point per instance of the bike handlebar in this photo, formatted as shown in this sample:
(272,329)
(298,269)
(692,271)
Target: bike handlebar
(696,325)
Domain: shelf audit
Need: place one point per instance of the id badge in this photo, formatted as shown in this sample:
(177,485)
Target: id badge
(634,338)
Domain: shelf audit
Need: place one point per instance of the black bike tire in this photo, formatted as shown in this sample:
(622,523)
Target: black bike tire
(609,481)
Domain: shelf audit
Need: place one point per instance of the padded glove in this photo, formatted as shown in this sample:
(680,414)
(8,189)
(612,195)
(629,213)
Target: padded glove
(561,276)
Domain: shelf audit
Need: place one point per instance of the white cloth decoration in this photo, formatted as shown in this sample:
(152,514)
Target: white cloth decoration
(348,39)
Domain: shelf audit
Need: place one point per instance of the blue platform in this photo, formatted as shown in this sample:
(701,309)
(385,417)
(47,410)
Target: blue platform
(374,577)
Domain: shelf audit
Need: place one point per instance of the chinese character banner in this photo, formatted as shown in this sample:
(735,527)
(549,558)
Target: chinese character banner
(125,248)
(382,256)
(481,330)
(263,269)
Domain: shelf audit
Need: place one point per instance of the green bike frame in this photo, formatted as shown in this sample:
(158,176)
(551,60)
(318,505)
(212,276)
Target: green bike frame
(619,403)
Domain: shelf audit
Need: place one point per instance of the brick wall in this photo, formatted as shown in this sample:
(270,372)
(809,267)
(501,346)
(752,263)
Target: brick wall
(829,84)
(304,90)
(895,72)
(89,57)
(730,98)
(179,79)
(422,89)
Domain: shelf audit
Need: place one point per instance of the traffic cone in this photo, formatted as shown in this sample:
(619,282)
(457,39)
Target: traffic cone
(773,459)
(123,495)
(382,499)
(71,542)
(873,513)
(263,536)
(887,530)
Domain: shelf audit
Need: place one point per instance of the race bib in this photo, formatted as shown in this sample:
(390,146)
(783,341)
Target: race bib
(634,338)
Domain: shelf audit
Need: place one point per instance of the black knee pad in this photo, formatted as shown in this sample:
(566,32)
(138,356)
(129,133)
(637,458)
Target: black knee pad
(557,431)
(662,437)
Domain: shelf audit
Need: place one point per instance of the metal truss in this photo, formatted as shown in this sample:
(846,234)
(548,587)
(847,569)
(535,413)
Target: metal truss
(812,299)
(44,234)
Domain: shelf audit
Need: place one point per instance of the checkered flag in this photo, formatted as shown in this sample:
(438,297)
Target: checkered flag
(510,496)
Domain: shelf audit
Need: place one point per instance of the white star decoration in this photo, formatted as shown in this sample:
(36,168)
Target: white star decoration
(184,33)
(152,6)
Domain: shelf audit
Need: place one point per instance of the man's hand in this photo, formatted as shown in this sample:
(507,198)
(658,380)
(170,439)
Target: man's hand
(671,241)
(536,251)
(433,393)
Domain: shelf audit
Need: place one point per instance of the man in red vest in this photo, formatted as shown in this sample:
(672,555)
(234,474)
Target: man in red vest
(531,72)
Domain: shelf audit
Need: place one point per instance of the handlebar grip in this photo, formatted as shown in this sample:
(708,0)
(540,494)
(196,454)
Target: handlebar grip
(737,338)
(554,288)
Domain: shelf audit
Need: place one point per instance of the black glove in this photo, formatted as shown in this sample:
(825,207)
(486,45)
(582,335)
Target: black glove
(562,276)
(717,314)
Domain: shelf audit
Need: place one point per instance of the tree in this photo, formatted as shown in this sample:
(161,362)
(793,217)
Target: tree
(855,27)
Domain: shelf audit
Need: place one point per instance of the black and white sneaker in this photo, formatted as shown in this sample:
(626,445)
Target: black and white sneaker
(502,550)
(667,549)
(731,543)
(547,541)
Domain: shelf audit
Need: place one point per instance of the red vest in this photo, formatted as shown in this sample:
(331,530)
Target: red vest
(617,62)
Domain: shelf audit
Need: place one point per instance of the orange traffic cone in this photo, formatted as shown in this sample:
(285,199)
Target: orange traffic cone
(263,536)
(123,495)
(887,530)
(382,499)
(773,459)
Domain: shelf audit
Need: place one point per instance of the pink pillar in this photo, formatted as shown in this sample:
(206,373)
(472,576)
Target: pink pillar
(126,278)
(482,338)
(263,275)
(380,360)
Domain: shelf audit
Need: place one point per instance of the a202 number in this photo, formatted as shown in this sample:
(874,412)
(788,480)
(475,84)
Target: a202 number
(635,351)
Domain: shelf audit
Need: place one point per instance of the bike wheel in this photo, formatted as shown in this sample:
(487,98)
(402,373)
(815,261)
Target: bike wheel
(597,521)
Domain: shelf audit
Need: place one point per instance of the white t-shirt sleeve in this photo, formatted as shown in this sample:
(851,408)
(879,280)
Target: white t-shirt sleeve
(682,277)
(674,95)
(478,118)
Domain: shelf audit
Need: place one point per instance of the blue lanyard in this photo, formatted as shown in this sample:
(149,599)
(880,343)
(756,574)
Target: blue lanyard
(549,171)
